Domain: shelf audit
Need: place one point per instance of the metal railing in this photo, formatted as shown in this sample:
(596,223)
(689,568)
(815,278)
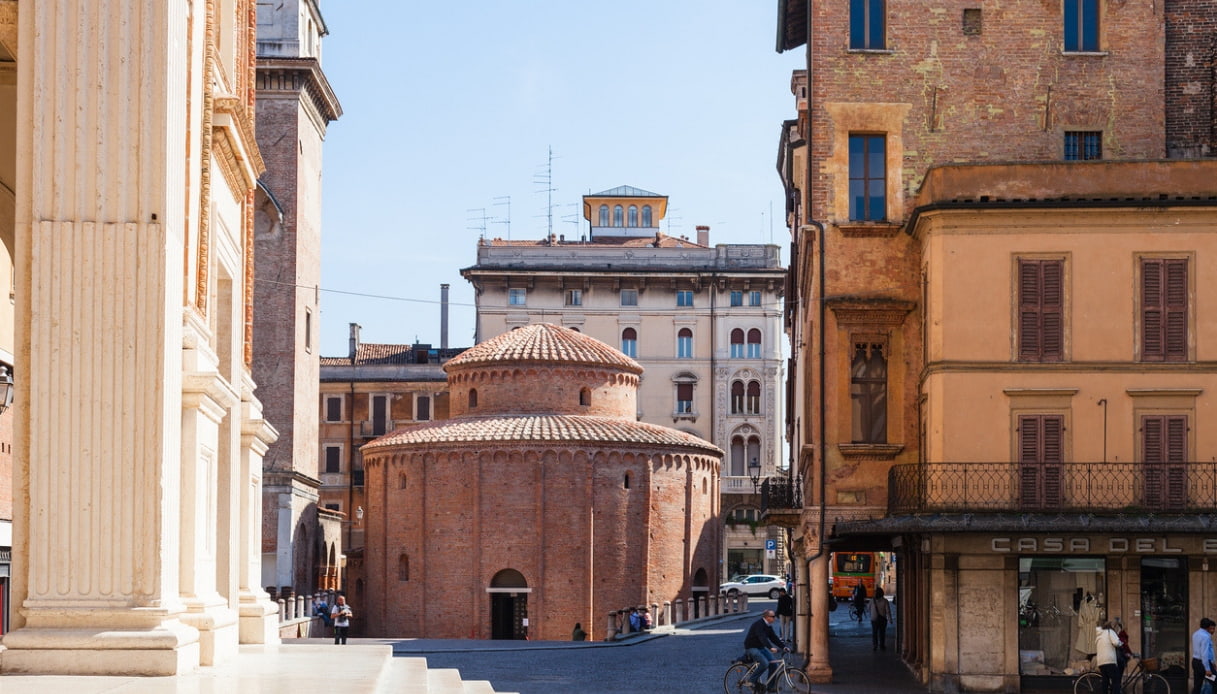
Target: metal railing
(1075,487)
(781,492)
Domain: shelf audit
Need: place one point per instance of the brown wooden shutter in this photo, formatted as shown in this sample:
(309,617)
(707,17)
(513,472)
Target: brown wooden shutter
(1041,310)
(1164,461)
(1041,453)
(1175,328)
(1164,309)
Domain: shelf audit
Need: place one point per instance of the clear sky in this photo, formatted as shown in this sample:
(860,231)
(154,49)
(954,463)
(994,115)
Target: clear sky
(451,108)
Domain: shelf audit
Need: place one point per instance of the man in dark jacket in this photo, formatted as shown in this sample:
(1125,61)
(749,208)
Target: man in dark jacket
(762,643)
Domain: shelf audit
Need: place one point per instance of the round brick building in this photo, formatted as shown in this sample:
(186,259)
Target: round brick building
(542,502)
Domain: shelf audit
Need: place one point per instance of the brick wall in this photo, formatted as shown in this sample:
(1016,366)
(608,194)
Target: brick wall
(1191,69)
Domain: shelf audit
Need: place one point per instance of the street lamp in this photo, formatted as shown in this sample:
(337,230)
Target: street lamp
(754,473)
(6,388)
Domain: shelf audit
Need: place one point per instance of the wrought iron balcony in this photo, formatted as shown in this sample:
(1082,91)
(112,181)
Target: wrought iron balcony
(1104,488)
(782,501)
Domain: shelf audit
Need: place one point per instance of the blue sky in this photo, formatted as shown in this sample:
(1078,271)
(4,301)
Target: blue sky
(451,107)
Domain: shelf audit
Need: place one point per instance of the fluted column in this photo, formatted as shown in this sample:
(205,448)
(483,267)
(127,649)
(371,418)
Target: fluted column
(258,613)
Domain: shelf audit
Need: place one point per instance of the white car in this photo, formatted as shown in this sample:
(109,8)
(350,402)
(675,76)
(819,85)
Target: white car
(756,584)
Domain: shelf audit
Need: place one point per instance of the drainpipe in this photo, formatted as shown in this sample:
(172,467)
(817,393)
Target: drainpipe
(822,634)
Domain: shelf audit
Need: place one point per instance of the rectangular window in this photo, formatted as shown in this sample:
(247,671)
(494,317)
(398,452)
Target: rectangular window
(333,459)
(866,25)
(1083,145)
(684,347)
(1164,461)
(737,298)
(737,350)
(308,330)
(1081,26)
(380,415)
(867,178)
(423,408)
(629,297)
(1048,584)
(684,297)
(574,297)
(754,298)
(333,408)
(684,398)
(629,347)
(1040,310)
(1164,320)
(516,297)
(1040,454)
(754,350)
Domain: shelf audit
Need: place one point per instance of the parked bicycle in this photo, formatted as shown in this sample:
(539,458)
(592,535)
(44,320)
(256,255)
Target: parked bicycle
(1141,678)
(786,678)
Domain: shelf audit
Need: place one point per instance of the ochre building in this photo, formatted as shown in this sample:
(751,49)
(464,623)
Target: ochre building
(541,502)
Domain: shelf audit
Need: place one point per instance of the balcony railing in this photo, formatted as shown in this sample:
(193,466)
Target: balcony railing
(1073,487)
(781,492)
(375,427)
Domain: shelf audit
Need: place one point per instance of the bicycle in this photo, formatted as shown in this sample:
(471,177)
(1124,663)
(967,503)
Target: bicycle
(856,611)
(785,679)
(1142,678)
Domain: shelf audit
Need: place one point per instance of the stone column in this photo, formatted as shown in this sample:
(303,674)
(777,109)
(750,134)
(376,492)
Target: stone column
(258,614)
(818,667)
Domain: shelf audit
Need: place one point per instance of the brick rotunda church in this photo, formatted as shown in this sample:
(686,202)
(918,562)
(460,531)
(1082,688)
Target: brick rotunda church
(540,503)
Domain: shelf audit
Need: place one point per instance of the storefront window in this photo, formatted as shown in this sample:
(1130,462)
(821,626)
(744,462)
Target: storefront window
(1060,602)
(1164,628)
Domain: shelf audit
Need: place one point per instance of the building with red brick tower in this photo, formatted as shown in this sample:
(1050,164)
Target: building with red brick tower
(540,503)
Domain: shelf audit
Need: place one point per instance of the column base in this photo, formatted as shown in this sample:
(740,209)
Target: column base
(170,648)
(259,620)
(218,632)
(819,674)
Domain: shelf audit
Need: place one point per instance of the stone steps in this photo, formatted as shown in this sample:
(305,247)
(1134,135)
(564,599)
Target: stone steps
(412,676)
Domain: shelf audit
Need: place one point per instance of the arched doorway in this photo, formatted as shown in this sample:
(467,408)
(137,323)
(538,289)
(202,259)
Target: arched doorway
(701,590)
(508,605)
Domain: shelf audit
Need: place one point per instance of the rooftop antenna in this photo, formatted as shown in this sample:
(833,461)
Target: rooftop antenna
(669,217)
(574,217)
(499,202)
(546,179)
(477,222)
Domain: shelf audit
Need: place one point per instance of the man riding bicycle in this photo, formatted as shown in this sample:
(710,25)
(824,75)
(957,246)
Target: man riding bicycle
(763,643)
(859,599)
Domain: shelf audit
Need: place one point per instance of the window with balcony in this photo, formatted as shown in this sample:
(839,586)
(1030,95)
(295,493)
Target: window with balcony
(380,415)
(574,297)
(629,297)
(867,178)
(629,343)
(333,408)
(684,298)
(1040,456)
(754,344)
(333,459)
(867,21)
(1041,301)
(684,344)
(517,297)
(1164,460)
(868,393)
(1164,309)
(737,298)
(1081,26)
(737,344)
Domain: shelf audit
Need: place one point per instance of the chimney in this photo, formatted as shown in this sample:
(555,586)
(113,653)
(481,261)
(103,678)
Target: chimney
(443,316)
(703,235)
(354,340)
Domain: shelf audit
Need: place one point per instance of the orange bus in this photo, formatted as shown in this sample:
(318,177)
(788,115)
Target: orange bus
(851,568)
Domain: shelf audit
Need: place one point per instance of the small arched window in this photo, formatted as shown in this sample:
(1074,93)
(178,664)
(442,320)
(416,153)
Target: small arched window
(633,216)
(737,344)
(754,344)
(401,482)
(646,215)
(737,397)
(625,484)
(604,218)
(473,398)
(737,464)
(403,567)
(629,343)
(617,215)
(585,396)
(754,397)
(684,344)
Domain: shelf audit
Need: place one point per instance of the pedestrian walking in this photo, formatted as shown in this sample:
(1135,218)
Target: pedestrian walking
(880,613)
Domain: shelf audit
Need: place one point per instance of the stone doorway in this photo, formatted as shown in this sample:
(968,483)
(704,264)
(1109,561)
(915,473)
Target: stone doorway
(509,605)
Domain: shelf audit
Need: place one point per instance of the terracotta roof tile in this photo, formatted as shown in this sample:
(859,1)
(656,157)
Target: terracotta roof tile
(544,343)
(576,429)
(665,241)
(372,353)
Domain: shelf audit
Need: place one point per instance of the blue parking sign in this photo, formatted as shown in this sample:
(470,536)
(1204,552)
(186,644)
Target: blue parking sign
(771,544)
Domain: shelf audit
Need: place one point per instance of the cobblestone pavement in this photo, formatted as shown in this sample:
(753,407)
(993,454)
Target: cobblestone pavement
(687,661)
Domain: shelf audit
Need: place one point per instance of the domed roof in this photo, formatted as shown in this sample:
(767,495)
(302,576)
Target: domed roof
(544,343)
(542,429)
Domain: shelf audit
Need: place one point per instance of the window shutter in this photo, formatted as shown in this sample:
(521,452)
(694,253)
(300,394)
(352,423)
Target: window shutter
(1051,310)
(1153,344)
(1028,455)
(1041,301)
(1175,309)
(1041,453)
(1164,461)
(1028,310)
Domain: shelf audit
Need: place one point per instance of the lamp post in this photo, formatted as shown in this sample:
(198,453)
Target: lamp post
(6,388)
(754,473)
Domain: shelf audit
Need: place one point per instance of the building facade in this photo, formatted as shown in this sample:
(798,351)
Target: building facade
(370,392)
(130,167)
(704,322)
(541,503)
(1002,355)
(295,105)
(8,210)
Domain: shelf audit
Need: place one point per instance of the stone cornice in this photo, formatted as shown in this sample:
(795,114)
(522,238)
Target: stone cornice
(235,146)
(291,76)
(880,312)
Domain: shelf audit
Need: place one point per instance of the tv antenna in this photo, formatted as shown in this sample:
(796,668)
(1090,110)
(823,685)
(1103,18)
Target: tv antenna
(499,202)
(477,222)
(546,179)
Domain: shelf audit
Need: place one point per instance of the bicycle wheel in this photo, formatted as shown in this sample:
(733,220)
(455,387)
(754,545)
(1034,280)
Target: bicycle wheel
(736,679)
(1089,683)
(794,682)
(1154,684)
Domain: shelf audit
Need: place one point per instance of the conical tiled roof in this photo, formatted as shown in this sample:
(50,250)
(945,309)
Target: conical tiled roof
(544,343)
(543,429)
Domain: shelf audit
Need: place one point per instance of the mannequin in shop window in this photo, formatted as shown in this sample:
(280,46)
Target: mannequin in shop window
(1088,618)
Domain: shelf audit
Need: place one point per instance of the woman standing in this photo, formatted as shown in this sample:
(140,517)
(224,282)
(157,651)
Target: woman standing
(1106,641)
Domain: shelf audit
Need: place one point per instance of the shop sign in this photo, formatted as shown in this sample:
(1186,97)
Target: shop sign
(1086,545)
